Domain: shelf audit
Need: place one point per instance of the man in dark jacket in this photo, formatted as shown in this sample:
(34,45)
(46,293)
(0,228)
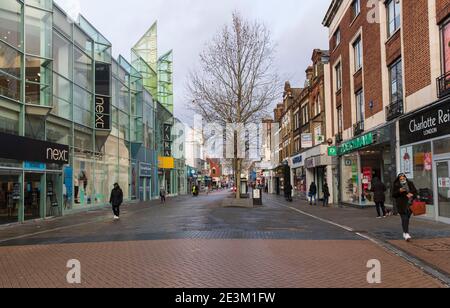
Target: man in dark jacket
(288,192)
(116,200)
(326,194)
(379,196)
(404,192)
(313,193)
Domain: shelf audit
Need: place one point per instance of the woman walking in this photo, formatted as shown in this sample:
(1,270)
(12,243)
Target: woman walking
(404,192)
(379,196)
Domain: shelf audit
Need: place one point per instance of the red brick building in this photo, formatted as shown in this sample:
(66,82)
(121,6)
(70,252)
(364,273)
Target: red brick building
(388,66)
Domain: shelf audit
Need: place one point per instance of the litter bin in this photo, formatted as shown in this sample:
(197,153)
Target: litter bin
(257,197)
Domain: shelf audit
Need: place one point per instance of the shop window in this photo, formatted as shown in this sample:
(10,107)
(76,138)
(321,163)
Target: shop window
(11,21)
(350,179)
(38,74)
(83,70)
(417,164)
(9,121)
(38,32)
(62,53)
(442,146)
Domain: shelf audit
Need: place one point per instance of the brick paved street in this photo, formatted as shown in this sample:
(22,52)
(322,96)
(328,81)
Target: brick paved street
(196,243)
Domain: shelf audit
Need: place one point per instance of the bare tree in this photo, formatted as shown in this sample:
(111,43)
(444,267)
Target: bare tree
(235,82)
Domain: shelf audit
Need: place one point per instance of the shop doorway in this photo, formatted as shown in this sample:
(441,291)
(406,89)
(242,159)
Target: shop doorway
(10,194)
(34,195)
(443,188)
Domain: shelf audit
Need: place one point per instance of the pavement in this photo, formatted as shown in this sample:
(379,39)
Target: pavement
(197,243)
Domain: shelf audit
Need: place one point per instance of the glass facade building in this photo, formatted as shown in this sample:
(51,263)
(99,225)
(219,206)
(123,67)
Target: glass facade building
(73,120)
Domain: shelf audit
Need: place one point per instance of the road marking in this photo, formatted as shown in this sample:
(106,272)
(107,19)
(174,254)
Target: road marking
(419,264)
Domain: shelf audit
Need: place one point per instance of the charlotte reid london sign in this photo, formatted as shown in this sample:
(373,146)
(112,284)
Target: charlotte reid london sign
(428,124)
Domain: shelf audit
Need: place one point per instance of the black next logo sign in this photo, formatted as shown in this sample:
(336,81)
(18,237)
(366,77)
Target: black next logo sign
(57,155)
(102,113)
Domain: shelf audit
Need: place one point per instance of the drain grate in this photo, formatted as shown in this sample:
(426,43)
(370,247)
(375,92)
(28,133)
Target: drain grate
(433,247)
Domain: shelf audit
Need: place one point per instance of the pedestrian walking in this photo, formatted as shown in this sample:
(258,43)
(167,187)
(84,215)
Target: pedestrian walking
(162,195)
(313,194)
(288,192)
(326,195)
(379,196)
(404,192)
(116,200)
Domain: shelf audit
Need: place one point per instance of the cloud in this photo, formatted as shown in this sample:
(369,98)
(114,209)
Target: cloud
(186,25)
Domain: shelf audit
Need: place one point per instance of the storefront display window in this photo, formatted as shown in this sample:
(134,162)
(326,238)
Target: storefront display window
(350,179)
(417,164)
(10,190)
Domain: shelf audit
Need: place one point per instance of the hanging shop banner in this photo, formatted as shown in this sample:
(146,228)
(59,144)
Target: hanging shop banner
(307,141)
(32,150)
(428,124)
(102,112)
(407,162)
(428,161)
(167,140)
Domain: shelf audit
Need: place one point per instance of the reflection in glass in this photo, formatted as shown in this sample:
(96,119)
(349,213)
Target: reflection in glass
(38,32)
(11,21)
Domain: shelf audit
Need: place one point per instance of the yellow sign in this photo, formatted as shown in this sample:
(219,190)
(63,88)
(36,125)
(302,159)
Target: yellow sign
(166,162)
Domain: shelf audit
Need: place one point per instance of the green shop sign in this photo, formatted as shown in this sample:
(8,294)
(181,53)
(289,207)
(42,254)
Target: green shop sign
(352,145)
(332,151)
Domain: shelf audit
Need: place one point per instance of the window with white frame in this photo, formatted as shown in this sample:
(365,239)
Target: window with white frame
(360,106)
(340,116)
(356,8)
(358,55)
(396,82)
(337,37)
(393,12)
(338,71)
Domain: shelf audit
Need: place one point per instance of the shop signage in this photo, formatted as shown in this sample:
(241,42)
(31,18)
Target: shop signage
(166,163)
(102,113)
(167,138)
(310,163)
(27,149)
(145,170)
(297,160)
(34,166)
(307,141)
(332,151)
(355,144)
(431,123)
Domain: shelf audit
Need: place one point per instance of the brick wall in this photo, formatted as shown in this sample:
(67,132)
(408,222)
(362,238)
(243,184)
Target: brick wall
(371,64)
(416,41)
(393,48)
(442,10)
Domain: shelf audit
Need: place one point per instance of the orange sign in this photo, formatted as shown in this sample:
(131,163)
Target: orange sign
(166,162)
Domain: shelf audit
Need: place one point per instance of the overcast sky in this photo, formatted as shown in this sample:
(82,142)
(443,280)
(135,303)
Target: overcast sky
(186,25)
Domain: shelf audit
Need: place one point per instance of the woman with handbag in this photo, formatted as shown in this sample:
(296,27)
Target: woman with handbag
(404,192)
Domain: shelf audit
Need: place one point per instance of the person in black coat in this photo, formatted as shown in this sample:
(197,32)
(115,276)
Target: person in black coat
(313,193)
(326,194)
(288,192)
(379,196)
(116,200)
(404,192)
